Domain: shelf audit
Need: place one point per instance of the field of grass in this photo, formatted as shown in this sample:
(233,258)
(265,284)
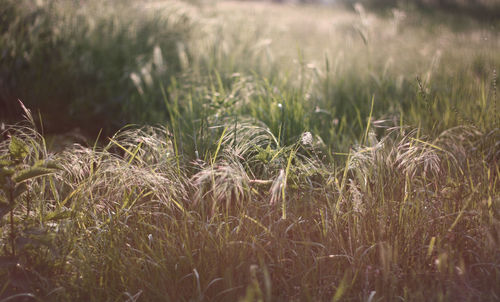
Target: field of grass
(249,151)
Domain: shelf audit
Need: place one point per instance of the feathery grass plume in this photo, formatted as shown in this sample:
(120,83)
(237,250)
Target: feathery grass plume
(223,184)
(137,163)
(357,198)
(245,136)
(277,188)
(473,155)
(253,143)
(394,167)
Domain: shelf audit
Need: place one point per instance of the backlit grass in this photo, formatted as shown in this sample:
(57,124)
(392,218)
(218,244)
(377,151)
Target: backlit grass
(293,153)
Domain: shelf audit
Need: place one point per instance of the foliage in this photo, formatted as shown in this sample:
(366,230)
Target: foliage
(480,9)
(255,220)
(83,58)
(277,173)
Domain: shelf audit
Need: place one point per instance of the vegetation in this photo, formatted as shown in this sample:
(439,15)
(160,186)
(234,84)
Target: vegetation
(62,56)
(296,154)
(483,10)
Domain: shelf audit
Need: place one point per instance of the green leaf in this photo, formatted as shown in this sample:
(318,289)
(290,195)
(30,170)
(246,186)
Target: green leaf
(5,161)
(57,215)
(6,172)
(49,164)
(18,149)
(30,173)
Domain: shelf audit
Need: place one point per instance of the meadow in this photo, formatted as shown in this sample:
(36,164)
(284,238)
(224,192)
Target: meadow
(247,151)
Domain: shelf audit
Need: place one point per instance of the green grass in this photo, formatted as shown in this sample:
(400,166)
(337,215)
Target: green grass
(59,56)
(298,154)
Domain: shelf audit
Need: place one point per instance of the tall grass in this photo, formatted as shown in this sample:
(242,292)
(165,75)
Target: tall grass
(86,59)
(279,172)
(405,217)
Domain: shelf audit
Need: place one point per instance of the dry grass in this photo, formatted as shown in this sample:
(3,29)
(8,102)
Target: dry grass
(337,176)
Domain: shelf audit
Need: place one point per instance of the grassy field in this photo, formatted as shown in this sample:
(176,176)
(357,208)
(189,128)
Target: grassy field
(247,151)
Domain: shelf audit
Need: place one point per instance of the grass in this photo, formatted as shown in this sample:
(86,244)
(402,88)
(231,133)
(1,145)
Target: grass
(321,154)
(85,61)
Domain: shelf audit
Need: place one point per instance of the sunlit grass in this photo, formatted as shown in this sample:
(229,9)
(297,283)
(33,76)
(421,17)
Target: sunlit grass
(303,154)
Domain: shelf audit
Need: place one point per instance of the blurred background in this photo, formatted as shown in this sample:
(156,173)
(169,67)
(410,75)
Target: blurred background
(99,65)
